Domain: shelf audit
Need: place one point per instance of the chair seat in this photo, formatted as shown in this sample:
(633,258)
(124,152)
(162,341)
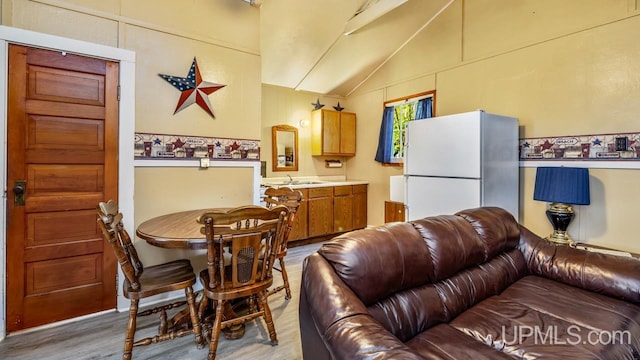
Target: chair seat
(174,275)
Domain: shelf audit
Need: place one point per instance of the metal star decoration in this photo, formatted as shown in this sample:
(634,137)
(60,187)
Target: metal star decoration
(338,108)
(317,105)
(193,89)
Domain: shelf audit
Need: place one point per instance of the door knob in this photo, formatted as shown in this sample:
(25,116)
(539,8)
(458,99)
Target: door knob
(19,190)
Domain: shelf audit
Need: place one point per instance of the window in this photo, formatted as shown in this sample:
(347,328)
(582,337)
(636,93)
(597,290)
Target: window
(397,113)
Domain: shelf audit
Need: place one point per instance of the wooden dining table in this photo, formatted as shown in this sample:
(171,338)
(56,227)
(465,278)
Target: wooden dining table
(181,230)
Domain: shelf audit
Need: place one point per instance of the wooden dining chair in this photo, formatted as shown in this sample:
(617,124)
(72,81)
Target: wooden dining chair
(291,199)
(249,236)
(141,282)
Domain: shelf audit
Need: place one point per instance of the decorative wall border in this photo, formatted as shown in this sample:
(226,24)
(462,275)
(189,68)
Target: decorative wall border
(600,147)
(149,146)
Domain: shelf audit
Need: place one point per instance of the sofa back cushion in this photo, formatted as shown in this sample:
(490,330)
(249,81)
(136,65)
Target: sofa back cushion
(452,242)
(377,262)
(409,312)
(496,227)
(381,261)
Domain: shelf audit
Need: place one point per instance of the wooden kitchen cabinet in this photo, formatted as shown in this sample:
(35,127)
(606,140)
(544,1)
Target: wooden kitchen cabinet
(333,133)
(325,211)
(299,230)
(359,206)
(320,220)
(342,208)
(393,211)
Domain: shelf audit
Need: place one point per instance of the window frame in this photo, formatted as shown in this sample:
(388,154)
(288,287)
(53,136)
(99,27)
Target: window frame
(399,161)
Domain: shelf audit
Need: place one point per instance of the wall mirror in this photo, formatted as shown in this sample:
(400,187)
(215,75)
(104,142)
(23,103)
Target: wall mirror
(284,148)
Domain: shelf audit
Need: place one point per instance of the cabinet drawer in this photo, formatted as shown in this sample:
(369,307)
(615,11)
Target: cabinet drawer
(359,189)
(342,190)
(320,192)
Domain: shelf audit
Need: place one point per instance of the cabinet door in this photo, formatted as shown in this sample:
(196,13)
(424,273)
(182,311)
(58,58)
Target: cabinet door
(331,132)
(347,133)
(359,206)
(299,230)
(342,209)
(393,211)
(320,218)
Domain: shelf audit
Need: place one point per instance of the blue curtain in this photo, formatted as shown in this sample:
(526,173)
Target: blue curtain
(423,108)
(385,140)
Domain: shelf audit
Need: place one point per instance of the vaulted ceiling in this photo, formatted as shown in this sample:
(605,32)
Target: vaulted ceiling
(303,45)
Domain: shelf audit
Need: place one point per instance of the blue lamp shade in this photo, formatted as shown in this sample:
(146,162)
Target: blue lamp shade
(567,185)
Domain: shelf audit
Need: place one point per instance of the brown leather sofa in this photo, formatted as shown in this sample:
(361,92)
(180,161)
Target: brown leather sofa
(475,285)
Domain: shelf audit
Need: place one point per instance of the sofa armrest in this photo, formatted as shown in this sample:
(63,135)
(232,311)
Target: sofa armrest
(335,324)
(606,274)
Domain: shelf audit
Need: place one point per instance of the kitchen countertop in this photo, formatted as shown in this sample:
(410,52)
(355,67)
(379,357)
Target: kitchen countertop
(308,182)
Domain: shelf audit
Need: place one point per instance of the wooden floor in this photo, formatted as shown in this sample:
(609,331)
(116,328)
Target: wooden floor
(102,337)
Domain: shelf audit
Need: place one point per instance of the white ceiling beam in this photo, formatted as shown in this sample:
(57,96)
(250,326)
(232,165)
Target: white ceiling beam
(370,14)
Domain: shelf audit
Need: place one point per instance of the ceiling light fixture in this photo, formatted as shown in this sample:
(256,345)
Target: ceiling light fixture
(370,14)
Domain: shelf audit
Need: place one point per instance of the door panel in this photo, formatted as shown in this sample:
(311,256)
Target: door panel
(51,132)
(62,140)
(65,86)
(50,275)
(61,227)
(47,179)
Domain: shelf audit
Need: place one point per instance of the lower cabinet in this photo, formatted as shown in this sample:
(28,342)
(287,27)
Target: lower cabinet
(300,228)
(393,211)
(359,206)
(320,211)
(330,210)
(342,209)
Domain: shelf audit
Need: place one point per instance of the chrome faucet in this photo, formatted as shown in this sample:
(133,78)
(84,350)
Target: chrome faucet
(290,179)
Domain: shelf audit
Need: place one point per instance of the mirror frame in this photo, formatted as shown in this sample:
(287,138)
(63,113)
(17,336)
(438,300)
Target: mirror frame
(274,147)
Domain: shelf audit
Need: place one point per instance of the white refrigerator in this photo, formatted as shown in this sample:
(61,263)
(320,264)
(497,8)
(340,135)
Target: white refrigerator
(461,161)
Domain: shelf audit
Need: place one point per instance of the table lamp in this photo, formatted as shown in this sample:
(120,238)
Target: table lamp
(562,187)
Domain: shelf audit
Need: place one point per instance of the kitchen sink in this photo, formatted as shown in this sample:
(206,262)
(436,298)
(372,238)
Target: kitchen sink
(299,182)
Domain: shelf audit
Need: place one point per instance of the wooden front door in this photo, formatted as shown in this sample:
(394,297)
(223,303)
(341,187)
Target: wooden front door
(62,159)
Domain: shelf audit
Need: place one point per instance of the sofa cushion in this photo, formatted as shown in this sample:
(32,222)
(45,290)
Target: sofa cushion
(538,317)
(615,276)
(377,262)
(452,243)
(497,228)
(409,312)
(446,342)
(381,261)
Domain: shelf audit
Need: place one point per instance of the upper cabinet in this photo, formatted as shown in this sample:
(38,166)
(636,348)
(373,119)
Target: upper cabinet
(333,133)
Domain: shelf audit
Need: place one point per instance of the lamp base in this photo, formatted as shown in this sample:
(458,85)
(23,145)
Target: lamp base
(560,216)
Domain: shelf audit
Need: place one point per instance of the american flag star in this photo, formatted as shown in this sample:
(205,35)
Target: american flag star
(193,89)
